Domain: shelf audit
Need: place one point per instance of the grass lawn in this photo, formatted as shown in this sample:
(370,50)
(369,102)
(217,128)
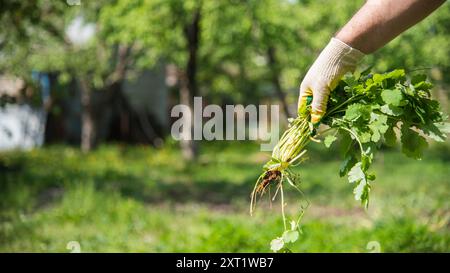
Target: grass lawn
(140,199)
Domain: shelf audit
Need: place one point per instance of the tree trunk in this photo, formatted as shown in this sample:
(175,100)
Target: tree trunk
(189,147)
(112,89)
(188,81)
(275,78)
(88,128)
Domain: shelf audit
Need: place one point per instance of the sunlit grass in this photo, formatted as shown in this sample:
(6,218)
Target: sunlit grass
(138,199)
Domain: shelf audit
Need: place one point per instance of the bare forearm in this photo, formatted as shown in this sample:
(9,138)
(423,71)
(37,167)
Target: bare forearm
(380,21)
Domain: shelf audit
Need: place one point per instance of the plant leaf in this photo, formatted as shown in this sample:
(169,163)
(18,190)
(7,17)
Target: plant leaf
(392,97)
(412,143)
(276,244)
(293,225)
(356,174)
(290,236)
(329,140)
(444,127)
(347,164)
(378,126)
(391,110)
(418,78)
(390,137)
(433,131)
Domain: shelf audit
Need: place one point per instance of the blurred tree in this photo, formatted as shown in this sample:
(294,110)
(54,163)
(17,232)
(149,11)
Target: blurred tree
(233,48)
(18,19)
(246,41)
(278,38)
(229,51)
(53,36)
(169,30)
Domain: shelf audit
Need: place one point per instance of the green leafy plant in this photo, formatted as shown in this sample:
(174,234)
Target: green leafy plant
(364,111)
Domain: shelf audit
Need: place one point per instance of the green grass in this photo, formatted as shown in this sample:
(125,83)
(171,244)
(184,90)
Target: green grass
(139,199)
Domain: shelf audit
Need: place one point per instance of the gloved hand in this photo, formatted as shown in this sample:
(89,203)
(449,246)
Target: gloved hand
(336,59)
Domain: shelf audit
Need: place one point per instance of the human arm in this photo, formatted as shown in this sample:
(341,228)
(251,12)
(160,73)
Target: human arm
(373,26)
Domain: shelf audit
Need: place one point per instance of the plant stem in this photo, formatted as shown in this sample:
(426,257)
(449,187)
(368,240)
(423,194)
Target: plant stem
(356,138)
(282,206)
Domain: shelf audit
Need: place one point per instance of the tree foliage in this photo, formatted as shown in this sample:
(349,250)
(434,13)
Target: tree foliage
(246,51)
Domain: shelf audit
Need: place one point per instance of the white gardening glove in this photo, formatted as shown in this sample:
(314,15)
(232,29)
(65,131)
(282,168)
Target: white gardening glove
(336,59)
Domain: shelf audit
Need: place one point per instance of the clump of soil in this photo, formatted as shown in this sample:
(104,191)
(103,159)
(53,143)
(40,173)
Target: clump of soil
(270,177)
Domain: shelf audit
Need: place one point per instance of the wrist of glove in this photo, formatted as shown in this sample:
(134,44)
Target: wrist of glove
(336,59)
